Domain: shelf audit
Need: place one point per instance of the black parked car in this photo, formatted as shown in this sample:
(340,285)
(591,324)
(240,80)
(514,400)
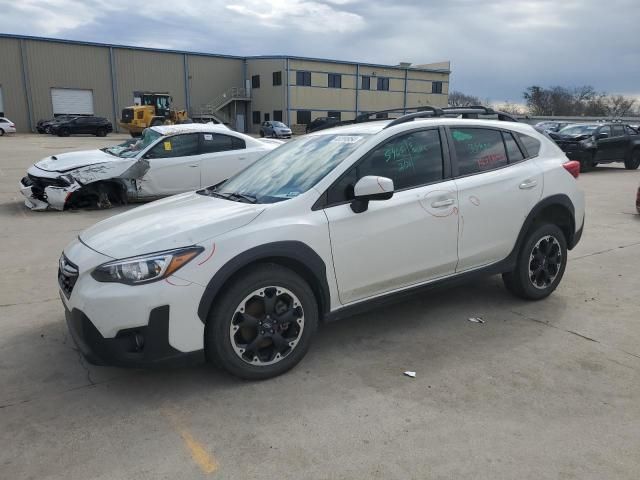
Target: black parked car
(321,123)
(591,144)
(93,125)
(44,126)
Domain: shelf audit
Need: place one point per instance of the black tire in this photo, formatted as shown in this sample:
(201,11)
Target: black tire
(219,343)
(63,132)
(520,282)
(261,133)
(633,162)
(101,132)
(1,132)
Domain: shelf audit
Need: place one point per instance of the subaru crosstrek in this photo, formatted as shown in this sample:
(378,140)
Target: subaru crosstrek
(243,272)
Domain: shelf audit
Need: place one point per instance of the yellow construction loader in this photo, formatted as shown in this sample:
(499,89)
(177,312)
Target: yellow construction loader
(151,109)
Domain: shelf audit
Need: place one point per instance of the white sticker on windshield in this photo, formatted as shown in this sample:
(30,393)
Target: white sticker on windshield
(346,139)
(208,136)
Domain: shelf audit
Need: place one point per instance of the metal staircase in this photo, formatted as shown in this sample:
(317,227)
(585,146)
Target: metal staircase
(214,108)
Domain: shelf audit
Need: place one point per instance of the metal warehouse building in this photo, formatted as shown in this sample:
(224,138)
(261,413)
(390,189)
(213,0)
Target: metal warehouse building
(41,78)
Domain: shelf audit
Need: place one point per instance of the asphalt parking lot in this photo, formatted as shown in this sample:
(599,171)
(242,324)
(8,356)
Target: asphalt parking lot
(545,390)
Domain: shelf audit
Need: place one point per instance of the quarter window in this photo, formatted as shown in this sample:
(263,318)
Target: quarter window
(303,79)
(177,146)
(513,150)
(478,150)
(629,130)
(215,142)
(335,80)
(531,145)
(409,160)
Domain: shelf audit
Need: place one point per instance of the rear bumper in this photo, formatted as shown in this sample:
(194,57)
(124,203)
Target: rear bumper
(139,347)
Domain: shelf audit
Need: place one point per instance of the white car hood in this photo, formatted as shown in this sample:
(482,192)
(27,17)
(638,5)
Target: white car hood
(69,161)
(174,222)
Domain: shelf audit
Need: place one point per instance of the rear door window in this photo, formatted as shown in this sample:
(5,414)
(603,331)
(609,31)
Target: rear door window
(513,150)
(478,150)
(216,142)
(617,131)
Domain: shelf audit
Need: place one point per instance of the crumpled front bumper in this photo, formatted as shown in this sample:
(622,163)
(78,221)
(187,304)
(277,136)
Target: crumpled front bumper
(45,198)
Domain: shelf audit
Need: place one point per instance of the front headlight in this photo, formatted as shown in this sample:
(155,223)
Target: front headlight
(145,268)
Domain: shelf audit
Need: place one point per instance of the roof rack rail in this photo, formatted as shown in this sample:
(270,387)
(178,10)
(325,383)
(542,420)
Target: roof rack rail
(434,112)
(472,111)
(366,117)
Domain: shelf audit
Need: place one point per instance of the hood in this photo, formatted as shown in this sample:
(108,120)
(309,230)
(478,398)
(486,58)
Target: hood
(64,162)
(174,222)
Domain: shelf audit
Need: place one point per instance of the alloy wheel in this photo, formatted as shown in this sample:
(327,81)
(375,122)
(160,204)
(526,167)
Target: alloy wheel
(545,261)
(267,326)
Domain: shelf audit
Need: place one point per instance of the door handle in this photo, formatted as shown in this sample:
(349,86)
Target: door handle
(527,184)
(193,166)
(443,203)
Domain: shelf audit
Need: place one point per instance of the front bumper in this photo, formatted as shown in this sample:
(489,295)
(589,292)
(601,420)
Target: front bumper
(134,347)
(41,198)
(123,325)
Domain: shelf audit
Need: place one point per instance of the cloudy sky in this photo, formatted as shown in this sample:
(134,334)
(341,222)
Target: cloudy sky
(497,47)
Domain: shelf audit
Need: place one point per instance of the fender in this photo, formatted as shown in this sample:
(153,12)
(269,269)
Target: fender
(315,271)
(561,200)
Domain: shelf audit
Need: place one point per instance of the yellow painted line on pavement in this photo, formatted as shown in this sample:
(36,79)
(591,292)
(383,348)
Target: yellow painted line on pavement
(199,454)
(198,451)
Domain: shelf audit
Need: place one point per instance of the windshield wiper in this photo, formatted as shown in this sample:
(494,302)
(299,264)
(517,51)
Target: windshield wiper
(243,196)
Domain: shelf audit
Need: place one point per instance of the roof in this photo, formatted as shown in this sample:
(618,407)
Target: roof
(191,127)
(217,55)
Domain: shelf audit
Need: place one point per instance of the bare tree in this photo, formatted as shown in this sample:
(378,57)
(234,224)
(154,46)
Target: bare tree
(459,99)
(619,106)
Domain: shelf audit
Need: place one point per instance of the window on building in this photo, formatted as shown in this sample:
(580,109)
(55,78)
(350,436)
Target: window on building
(478,150)
(303,79)
(255,81)
(335,80)
(409,160)
(436,87)
(277,115)
(256,117)
(215,142)
(177,146)
(383,83)
(336,115)
(513,150)
(303,117)
(267,117)
(366,83)
(277,78)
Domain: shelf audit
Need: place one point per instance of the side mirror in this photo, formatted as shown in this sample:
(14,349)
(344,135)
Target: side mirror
(370,188)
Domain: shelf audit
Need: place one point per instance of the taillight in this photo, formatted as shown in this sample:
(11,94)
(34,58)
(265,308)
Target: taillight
(573,167)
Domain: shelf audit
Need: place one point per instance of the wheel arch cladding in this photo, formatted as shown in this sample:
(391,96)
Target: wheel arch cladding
(295,255)
(556,209)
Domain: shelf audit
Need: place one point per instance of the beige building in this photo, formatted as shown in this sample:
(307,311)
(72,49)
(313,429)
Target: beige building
(41,78)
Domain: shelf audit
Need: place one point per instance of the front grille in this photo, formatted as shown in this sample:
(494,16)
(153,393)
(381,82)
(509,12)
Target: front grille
(127,115)
(38,184)
(67,275)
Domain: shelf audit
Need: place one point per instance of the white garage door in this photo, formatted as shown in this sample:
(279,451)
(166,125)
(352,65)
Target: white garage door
(1,103)
(71,101)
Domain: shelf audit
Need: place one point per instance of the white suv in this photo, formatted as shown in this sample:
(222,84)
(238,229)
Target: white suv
(243,272)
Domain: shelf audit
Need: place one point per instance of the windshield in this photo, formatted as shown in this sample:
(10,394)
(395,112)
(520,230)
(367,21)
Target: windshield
(291,169)
(578,130)
(133,147)
(279,124)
